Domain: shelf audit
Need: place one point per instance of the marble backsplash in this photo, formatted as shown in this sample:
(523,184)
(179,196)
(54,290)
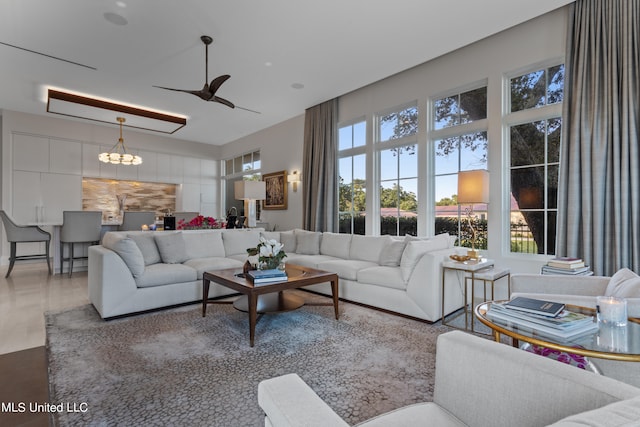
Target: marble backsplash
(100,194)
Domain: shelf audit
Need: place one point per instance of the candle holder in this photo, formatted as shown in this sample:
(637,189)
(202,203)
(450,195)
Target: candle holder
(612,311)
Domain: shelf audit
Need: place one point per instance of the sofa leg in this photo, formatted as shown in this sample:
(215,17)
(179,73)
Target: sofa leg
(12,258)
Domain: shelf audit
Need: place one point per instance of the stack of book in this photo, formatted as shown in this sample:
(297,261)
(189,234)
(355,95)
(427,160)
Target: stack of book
(545,318)
(266,276)
(567,265)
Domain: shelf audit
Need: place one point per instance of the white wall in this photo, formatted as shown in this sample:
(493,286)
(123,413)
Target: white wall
(536,41)
(280,149)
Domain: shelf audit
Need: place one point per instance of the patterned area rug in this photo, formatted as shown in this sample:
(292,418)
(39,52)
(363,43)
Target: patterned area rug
(177,368)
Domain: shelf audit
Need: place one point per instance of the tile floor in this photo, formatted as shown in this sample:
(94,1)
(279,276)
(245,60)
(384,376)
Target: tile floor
(26,295)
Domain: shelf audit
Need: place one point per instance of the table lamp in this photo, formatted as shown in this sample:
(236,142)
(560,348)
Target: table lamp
(250,191)
(473,187)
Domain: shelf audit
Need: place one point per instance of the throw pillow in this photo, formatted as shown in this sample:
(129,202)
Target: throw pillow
(172,247)
(308,242)
(392,253)
(288,239)
(127,250)
(624,284)
(335,244)
(147,245)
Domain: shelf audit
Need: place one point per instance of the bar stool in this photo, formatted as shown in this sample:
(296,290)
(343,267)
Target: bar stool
(78,227)
(22,234)
(135,220)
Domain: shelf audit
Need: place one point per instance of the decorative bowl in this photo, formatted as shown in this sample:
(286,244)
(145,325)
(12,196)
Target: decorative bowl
(460,258)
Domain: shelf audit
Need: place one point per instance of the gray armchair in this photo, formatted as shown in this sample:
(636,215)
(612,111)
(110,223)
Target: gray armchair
(23,234)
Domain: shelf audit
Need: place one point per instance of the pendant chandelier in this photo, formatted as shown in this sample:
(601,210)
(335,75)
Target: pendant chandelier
(118,154)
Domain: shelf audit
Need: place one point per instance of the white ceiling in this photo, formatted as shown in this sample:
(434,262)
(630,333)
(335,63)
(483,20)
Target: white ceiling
(330,46)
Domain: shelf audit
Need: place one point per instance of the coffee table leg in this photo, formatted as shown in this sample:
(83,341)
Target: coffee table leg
(334,291)
(205,296)
(253,314)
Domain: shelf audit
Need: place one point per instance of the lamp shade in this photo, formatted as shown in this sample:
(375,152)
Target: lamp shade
(473,186)
(249,190)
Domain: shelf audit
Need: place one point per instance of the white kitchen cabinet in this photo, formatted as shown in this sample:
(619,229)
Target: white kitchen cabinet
(90,162)
(41,197)
(30,153)
(148,170)
(65,157)
(191,170)
(164,167)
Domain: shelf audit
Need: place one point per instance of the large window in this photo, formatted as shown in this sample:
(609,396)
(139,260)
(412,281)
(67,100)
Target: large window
(460,144)
(398,171)
(534,149)
(352,195)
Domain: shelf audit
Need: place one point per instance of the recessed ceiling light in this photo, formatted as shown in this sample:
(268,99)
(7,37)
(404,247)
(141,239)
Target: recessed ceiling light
(121,4)
(268,64)
(116,19)
(297,86)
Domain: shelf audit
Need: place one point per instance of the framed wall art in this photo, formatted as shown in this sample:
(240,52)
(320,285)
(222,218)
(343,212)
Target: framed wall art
(276,184)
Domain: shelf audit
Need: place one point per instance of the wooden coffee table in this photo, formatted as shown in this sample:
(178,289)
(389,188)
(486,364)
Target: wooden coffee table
(270,297)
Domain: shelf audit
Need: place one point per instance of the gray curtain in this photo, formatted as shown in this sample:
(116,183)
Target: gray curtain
(319,180)
(599,183)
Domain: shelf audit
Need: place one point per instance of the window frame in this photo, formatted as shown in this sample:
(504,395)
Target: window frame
(509,119)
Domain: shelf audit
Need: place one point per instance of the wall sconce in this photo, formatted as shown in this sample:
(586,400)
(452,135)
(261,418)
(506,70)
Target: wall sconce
(473,187)
(294,178)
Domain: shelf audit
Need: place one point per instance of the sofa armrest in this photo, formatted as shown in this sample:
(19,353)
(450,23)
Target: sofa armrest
(287,401)
(110,281)
(524,389)
(558,284)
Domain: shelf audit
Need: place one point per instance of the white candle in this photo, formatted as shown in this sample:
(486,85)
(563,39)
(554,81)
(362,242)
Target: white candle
(612,311)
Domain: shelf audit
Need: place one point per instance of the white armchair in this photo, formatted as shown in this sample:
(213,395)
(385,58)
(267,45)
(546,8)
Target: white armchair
(478,383)
(582,291)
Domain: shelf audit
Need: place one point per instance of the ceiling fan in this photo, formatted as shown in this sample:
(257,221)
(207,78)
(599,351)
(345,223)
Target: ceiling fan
(208,91)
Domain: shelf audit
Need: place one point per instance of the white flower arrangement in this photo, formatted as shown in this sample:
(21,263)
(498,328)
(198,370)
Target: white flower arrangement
(270,253)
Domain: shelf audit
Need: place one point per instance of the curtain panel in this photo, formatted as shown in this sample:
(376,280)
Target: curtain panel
(599,182)
(319,178)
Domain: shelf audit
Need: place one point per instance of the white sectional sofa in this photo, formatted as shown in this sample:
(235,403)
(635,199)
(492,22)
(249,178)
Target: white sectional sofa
(478,383)
(142,270)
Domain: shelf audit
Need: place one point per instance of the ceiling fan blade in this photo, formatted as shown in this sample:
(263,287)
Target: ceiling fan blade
(217,82)
(199,93)
(247,109)
(223,101)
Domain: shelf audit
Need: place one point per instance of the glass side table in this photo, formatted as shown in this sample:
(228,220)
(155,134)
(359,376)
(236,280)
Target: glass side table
(473,270)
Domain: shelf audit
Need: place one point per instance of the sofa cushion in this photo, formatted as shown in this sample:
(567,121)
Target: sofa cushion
(367,248)
(128,251)
(415,249)
(392,252)
(165,274)
(624,284)
(288,239)
(203,244)
(415,415)
(308,242)
(335,244)
(309,260)
(147,245)
(238,241)
(172,247)
(212,263)
(617,414)
(344,268)
(389,277)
